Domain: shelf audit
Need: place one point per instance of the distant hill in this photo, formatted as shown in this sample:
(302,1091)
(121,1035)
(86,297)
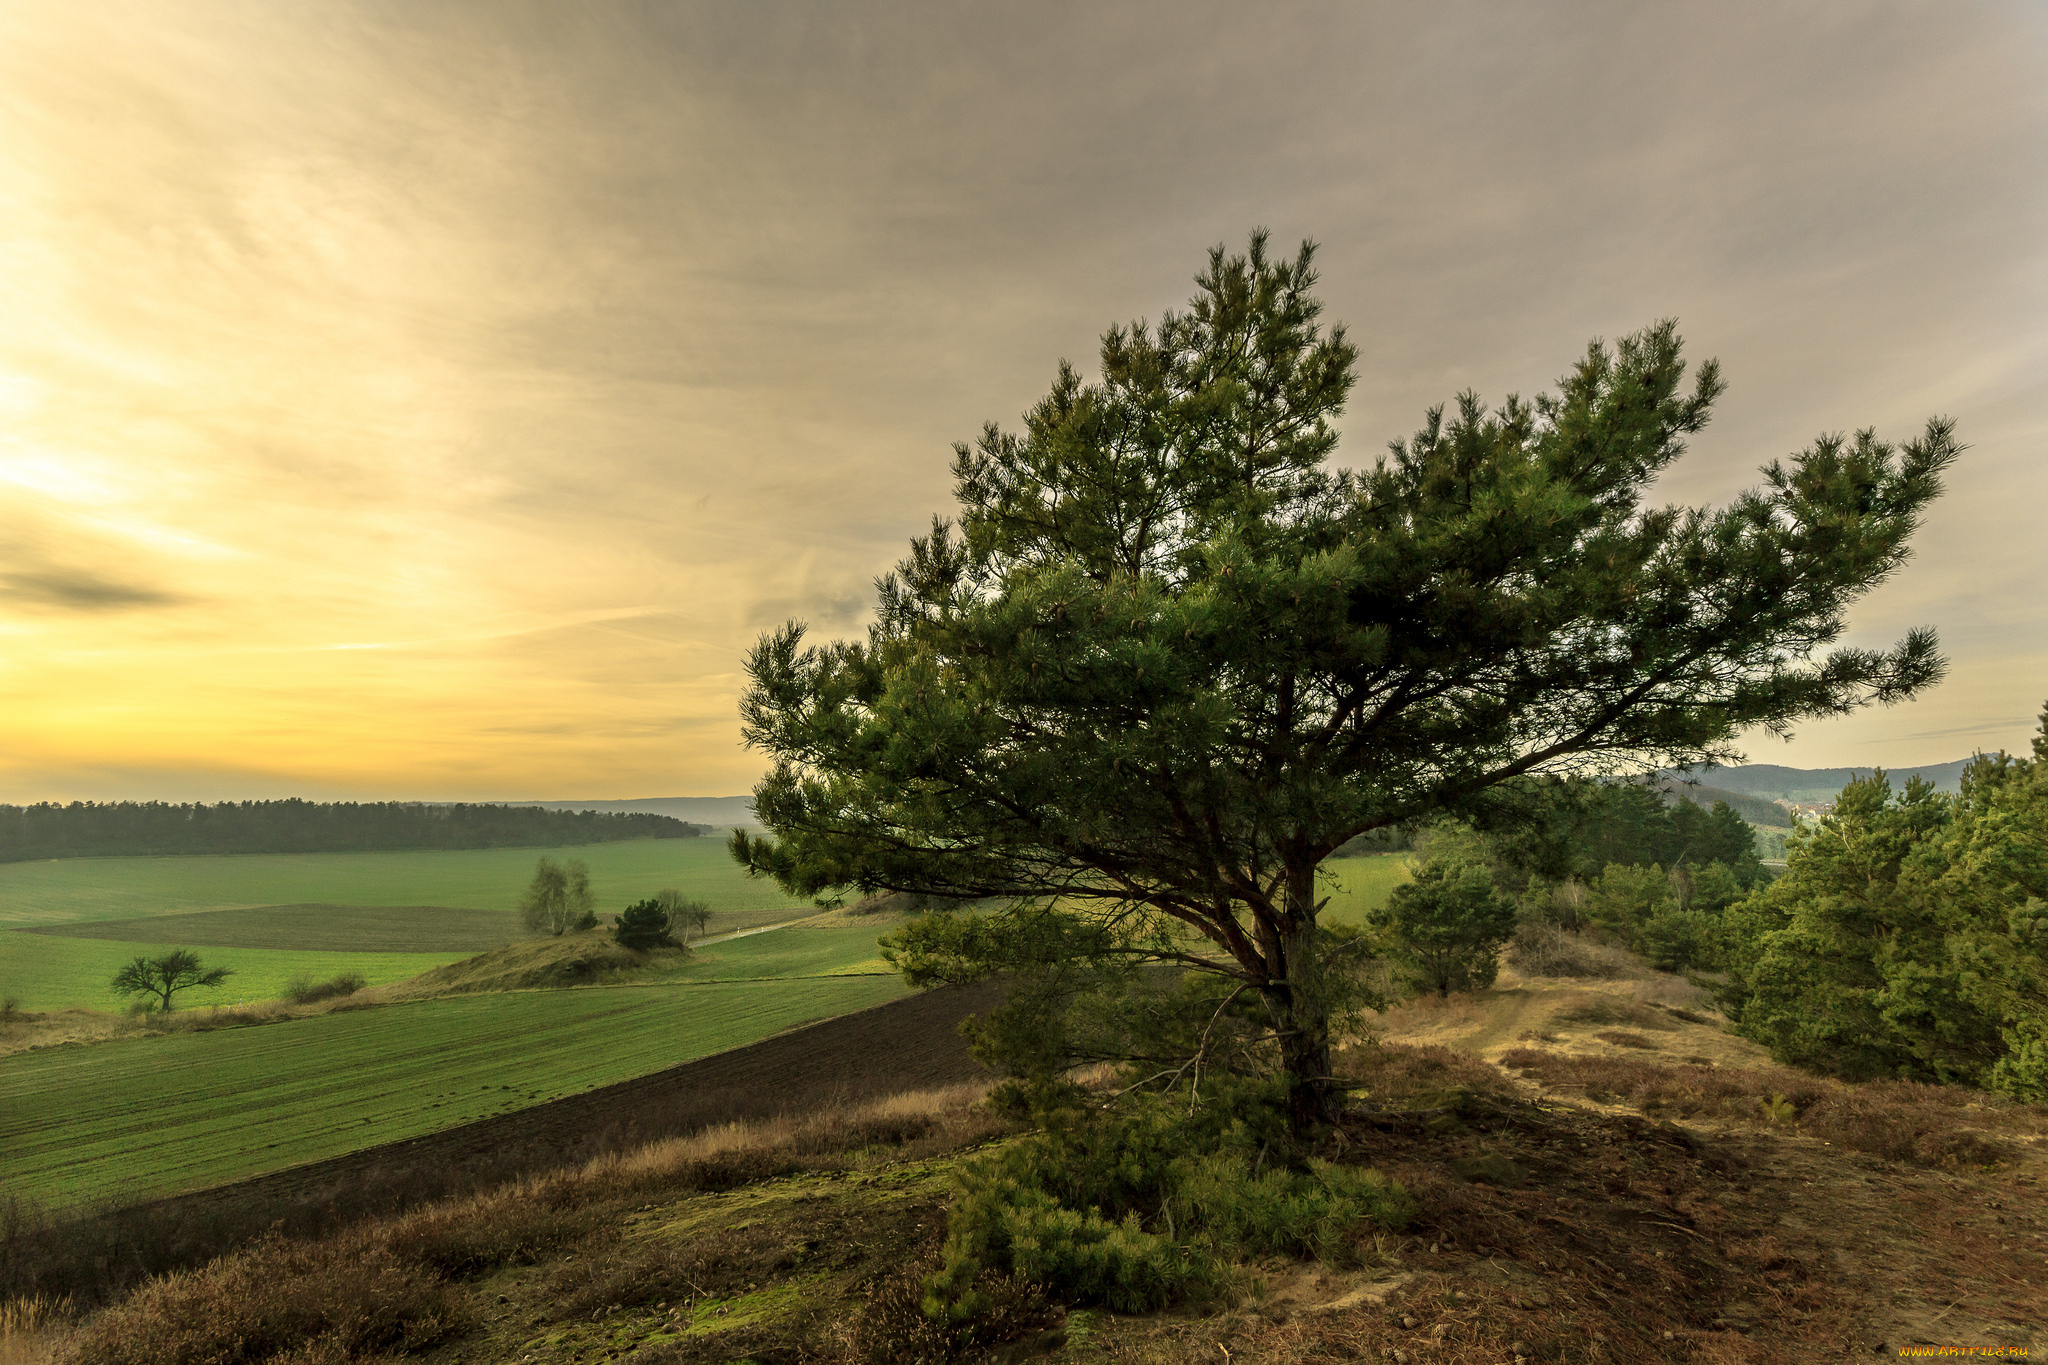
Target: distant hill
(1754,809)
(1774,783)
(721,811)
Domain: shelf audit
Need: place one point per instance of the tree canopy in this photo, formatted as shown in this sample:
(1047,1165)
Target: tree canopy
(163,976)
(1444,929)
(1170,657)
(644,924)
(558,898)
(1909,934)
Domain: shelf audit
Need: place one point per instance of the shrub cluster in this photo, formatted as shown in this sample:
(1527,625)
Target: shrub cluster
(1541,948)
(1141,1205)
(304,991)
(1909,934)
(279,1298)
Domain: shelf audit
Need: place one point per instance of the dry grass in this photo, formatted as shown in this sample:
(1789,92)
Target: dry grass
(1612,1010)
(390,1285)
(346,1300)
(1544,950)
(30,1329)
(1418,1076)
(1925,1125)
(1623,1038)
(27,1030)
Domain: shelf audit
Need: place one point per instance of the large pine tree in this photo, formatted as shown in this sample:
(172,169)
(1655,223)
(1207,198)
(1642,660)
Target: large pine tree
(1171,657)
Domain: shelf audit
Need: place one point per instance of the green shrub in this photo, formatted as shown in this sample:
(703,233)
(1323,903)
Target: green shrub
(1624,897)
(1444,930)
(1868,958)
(644,924)
(1278,1212)
(1143,1205)
(1675,940)
(305,991)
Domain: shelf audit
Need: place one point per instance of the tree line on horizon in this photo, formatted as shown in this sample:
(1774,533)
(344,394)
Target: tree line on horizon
(86,829)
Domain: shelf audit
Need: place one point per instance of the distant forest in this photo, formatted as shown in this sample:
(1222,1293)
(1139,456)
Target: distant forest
(86,829)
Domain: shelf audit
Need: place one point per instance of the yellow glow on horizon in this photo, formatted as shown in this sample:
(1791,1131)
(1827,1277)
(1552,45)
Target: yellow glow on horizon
(437,401)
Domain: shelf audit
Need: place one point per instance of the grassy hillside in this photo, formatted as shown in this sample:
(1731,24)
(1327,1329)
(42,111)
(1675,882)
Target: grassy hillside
(185,1111)
(824,948)
(56,892)
(1599,1197)
(43,972)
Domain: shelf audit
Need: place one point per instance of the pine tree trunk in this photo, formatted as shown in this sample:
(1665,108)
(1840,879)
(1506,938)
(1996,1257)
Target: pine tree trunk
(1305,1042)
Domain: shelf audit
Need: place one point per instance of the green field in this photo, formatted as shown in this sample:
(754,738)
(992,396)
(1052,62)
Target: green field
(50,972)
(71,889)
(339,912)
(154,1115)
(1358,886)
(312,928)
(800,950)
(40,972)
(184,1111)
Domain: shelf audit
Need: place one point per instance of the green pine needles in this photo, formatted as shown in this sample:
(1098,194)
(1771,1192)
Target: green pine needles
(1171,656)
(1146,1204)
(1909,934)
(1445,929)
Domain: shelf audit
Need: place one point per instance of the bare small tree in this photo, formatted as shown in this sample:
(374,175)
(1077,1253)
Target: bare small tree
(558,898)
(163,977)
(683,915)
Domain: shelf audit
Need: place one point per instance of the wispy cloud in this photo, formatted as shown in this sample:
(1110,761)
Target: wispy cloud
(361,359)
(77,590)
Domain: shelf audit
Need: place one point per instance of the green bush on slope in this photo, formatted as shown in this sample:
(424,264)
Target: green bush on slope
(1909,935)
(1143,1205)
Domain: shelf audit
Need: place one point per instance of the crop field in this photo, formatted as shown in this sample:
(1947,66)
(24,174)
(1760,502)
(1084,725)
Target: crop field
(828,949)
(74,889)
(54,969)
(42,972)
(1358,886)
(184,1111)
(273,917)
(312,928)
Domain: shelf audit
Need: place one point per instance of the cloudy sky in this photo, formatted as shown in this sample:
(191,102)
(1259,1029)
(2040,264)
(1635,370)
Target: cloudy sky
(434,399)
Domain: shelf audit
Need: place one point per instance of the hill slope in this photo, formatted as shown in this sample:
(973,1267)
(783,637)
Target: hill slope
(1754,809)
(1564,1217)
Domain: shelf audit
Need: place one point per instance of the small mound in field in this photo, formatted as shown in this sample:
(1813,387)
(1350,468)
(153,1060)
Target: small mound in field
(586,958)
(1623,1038)
(1610,1010)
